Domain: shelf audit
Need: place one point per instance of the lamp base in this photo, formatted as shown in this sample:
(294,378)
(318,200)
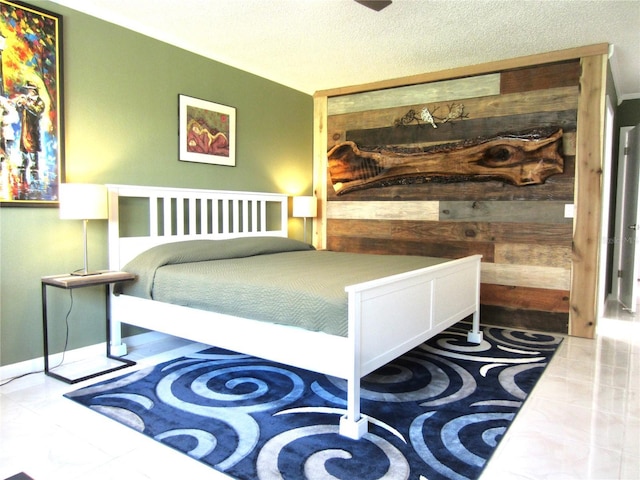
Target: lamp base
(80,273)
(84,271)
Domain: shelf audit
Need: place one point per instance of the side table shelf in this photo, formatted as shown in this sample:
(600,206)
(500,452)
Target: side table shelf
(69,282)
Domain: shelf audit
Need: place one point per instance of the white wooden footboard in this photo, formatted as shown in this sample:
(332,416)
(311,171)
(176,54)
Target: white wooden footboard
(390,316)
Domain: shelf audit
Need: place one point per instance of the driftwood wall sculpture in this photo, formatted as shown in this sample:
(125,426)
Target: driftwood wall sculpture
(526,158)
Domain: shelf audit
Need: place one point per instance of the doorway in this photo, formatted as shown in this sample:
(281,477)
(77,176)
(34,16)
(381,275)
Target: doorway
(625,261)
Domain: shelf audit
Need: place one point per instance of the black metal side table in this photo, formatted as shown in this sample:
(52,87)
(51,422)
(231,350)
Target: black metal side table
(68,282)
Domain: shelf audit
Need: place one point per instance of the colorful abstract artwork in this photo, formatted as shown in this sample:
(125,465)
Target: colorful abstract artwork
(31,140)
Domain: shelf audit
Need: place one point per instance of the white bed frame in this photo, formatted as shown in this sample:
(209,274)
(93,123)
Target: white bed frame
(387,317)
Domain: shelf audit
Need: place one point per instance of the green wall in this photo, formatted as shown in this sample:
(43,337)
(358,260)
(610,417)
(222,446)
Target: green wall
(628,113)
(121,105)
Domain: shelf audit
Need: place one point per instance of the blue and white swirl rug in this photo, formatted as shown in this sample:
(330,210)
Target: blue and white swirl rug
(438,412)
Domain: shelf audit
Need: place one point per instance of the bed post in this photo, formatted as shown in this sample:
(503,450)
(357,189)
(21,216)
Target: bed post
(475,335)
(117,348)
(353,424)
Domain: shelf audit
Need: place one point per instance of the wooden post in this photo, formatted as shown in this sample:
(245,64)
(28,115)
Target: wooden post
(319,236)
(588,197)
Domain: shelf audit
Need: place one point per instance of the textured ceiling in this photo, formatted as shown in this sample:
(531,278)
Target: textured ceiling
(313,45)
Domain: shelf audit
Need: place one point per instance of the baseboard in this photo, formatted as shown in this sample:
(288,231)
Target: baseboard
(37,364)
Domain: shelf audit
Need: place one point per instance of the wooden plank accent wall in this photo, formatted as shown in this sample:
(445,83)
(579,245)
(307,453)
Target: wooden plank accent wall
(429,93)
(529,270)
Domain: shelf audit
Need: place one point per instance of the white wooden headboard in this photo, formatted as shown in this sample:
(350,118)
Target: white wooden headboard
(177,214)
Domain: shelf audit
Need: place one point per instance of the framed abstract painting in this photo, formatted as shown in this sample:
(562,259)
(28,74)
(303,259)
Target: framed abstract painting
(31,138)
(207,132)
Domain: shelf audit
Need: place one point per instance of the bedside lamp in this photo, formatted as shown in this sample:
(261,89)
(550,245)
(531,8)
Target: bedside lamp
(305,207)
(82,201)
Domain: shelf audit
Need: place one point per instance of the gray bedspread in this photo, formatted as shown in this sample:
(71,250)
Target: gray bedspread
(282,281)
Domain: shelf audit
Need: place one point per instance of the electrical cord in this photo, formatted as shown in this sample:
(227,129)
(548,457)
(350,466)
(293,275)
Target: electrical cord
(64,350)
(66,335)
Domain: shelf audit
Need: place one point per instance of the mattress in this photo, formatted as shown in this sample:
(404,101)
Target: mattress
(270,279)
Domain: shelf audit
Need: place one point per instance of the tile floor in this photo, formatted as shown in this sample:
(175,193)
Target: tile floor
(582,421)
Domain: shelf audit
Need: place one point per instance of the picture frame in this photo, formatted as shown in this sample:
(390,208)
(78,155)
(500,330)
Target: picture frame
(31,102)
(207,132)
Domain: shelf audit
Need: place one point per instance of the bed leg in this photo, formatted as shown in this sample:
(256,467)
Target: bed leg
(119,350)
(114,335)
(475,335)
(353,425)
(353,429)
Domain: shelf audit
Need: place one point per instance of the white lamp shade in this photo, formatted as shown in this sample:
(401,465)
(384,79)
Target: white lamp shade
(82,201)
(306,207)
